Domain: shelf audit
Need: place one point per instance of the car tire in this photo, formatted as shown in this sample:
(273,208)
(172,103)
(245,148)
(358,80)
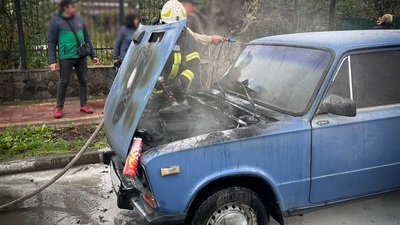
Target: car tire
(231,206)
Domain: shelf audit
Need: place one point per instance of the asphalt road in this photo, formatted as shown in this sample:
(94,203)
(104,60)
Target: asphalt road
(84,196)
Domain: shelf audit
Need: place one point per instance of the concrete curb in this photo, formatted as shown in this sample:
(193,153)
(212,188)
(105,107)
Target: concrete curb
(48,162)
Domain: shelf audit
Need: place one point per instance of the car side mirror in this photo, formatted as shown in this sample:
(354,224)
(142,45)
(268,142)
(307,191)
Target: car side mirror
(338,105)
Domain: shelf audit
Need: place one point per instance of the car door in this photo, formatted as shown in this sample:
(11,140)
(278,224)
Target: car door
(356,156)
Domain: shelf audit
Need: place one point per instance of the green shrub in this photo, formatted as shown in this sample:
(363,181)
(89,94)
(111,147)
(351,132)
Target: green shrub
(33,141)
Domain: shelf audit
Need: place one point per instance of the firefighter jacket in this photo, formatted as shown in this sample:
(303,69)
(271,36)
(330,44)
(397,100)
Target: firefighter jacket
(182,65)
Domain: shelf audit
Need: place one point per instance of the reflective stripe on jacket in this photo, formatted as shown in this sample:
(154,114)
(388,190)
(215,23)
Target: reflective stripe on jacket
(184,60)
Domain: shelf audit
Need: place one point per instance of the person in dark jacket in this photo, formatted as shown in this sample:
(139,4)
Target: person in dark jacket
(125,36)
(61,35)
(386,22)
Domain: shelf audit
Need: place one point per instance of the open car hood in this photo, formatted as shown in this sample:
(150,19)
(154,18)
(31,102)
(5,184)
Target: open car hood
(135,81)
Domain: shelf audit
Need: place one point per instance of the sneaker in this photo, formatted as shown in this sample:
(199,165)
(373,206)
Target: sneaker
(86,109)
(58,114)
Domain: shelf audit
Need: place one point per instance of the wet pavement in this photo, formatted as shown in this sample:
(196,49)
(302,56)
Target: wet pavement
(380,210)
(84,196)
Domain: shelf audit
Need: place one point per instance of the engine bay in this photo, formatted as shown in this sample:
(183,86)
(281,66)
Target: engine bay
(204,114)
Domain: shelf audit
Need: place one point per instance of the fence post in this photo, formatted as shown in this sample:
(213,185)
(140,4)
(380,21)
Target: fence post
(121,12)
(22,50)
(332,11)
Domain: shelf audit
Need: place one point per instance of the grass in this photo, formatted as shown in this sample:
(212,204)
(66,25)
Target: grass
(36,141)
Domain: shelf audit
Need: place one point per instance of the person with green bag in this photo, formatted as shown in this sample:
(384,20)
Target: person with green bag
(68,32)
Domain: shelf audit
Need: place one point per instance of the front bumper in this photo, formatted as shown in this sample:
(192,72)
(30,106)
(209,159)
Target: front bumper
(126,192)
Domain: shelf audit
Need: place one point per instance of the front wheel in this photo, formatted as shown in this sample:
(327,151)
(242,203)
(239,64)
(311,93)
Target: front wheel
(232,206)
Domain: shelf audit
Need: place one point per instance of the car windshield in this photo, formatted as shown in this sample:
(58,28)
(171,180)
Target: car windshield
(285,78)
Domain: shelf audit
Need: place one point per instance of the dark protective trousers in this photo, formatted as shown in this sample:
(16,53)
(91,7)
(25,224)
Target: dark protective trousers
(66,66)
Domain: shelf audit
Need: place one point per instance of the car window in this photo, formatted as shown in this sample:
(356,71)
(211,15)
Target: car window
(341,85)
(376,78)
(283,77)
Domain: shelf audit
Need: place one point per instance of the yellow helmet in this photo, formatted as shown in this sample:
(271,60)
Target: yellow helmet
(173,11)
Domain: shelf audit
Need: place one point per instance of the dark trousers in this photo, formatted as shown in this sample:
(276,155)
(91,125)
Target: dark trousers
(66,66)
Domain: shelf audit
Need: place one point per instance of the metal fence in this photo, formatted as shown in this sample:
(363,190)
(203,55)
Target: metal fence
(24,25)
(150,9)
(22,33)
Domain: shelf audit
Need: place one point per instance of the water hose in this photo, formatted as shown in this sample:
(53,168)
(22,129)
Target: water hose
(55,178)
(231,40)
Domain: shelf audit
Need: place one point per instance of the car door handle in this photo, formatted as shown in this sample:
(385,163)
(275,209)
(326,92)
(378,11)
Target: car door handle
(323,122)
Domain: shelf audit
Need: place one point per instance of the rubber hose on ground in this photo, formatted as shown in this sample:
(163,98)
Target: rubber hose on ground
(55,178)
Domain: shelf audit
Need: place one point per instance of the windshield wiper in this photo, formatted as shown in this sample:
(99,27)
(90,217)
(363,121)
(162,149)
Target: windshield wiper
(221,89)
(244,84)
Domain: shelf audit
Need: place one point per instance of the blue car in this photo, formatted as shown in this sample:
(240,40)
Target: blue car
(298,122)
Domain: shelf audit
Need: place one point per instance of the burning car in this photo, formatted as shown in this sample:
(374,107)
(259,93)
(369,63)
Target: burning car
(299,122)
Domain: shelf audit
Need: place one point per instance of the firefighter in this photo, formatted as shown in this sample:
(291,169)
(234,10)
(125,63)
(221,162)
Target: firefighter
(183,63)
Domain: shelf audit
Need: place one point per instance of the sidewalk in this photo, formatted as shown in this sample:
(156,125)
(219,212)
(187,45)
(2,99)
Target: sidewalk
(21,114)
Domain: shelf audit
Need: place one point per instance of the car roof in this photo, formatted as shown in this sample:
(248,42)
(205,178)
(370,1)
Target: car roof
(338,41)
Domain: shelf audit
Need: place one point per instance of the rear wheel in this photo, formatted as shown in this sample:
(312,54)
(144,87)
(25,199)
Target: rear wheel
(231,206)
